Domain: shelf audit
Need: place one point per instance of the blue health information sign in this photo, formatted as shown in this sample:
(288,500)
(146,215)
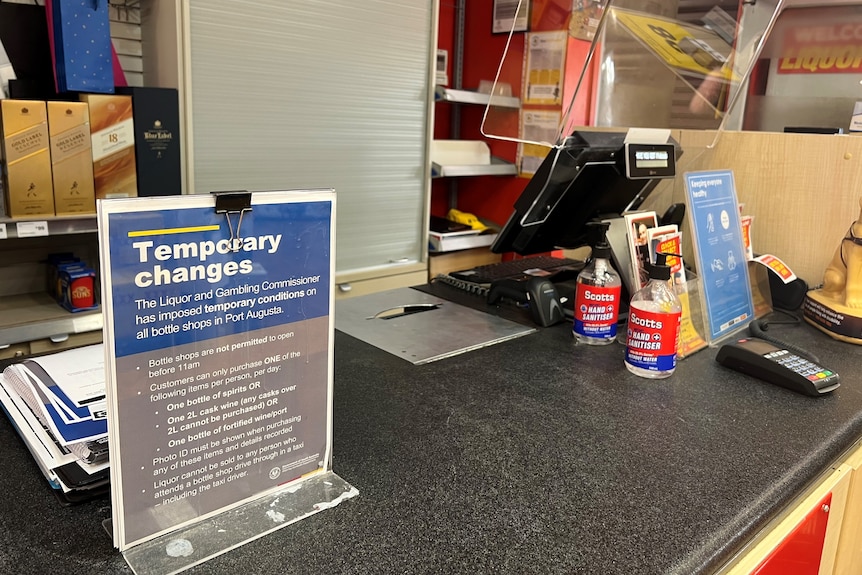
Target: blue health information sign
(722,265)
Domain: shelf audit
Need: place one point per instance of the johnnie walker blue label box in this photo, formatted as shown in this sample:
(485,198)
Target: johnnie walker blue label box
(157,139)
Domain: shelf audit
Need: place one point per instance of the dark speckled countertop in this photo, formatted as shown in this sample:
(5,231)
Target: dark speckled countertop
(529,456)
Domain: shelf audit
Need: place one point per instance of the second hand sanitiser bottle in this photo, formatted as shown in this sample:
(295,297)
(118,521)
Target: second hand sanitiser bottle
(653,326)
(597,296)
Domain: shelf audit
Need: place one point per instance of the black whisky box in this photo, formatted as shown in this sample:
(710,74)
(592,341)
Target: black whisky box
(156,113)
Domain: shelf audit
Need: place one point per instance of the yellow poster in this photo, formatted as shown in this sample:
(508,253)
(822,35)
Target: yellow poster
(690,339)
(683,47)
(546,59)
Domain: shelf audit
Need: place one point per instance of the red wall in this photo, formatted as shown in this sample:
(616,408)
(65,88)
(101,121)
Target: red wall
(489,197)
(492,197)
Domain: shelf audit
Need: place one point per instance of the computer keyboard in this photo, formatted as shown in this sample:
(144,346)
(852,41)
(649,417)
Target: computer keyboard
(541,266)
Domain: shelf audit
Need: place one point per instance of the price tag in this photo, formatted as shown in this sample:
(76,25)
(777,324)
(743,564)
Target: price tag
(3,235)
(32,229)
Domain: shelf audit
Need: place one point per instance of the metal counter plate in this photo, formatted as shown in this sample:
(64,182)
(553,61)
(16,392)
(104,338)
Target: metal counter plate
(424,336)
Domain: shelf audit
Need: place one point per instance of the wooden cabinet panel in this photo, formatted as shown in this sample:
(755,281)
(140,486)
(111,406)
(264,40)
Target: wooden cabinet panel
(849,555)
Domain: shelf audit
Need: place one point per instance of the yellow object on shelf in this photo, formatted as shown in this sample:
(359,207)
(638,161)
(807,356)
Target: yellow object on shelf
(465,218)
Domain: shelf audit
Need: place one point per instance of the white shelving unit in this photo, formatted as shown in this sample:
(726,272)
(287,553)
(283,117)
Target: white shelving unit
(34,315)
(442,93)
(497,166)
(29,317)
(47,226)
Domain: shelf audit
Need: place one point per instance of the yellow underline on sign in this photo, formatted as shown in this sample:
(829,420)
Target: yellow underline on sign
(310,473)
(141,233)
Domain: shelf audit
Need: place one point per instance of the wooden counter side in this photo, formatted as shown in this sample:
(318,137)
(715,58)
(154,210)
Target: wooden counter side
(802,189)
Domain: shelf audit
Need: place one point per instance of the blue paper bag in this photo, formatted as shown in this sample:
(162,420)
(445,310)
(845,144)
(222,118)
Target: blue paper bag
(82,46)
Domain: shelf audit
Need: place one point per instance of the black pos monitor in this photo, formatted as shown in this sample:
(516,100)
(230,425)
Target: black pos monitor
(591,176)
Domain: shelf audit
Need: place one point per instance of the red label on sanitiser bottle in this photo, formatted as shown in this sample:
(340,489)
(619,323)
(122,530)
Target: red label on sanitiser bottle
(652,339)
(596,311)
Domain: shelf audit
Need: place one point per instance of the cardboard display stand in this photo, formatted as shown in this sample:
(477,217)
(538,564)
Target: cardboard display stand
(219,352)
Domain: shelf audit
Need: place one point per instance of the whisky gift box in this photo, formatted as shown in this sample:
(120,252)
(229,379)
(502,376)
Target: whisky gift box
(113,141)
(157,140)
(71,158)
(26,158)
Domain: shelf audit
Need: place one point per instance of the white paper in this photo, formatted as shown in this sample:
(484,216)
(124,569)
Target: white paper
(80,373)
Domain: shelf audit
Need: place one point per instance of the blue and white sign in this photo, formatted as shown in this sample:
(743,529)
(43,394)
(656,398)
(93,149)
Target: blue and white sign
(722,265)
(218,336)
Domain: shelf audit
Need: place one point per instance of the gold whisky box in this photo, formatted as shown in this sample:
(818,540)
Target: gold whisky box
(26,158)
(113,145)
(71,158)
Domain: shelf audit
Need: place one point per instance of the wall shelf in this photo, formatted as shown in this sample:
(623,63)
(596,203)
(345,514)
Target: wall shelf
(28,317)
(444,94)
(47,226)
(497,167)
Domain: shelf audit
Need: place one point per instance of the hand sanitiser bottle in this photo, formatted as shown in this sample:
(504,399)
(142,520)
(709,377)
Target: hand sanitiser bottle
(653,326)
(597,297)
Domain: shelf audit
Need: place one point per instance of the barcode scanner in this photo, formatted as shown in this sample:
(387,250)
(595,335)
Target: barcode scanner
(537,293)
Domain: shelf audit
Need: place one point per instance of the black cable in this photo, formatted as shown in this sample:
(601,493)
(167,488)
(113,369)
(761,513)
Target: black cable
(758,328)
(792,317)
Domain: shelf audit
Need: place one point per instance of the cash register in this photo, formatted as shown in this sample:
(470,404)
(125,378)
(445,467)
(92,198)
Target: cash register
(592,175)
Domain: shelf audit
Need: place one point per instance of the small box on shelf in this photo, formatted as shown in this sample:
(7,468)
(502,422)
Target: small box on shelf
(453,241)
(71,158)
(71,282)
(78,289)
(26,159)
(113,140)
(156,114)
(447,235)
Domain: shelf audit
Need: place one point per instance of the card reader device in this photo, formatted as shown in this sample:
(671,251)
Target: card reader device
(763,360)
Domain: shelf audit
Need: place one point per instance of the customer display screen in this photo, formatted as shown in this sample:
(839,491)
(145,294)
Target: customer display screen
(651,159)
(647,161)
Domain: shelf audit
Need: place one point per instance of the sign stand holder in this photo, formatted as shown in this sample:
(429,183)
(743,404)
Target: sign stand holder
(182,549)
(219,339)
(726,295)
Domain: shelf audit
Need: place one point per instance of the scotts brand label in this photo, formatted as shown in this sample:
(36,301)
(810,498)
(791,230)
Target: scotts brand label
(652,339)
(596,310)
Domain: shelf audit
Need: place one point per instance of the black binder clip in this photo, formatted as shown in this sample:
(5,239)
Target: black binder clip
(228,203)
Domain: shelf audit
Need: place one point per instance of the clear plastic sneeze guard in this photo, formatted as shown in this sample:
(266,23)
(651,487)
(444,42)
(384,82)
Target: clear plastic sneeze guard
(692,70)
(623,64)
